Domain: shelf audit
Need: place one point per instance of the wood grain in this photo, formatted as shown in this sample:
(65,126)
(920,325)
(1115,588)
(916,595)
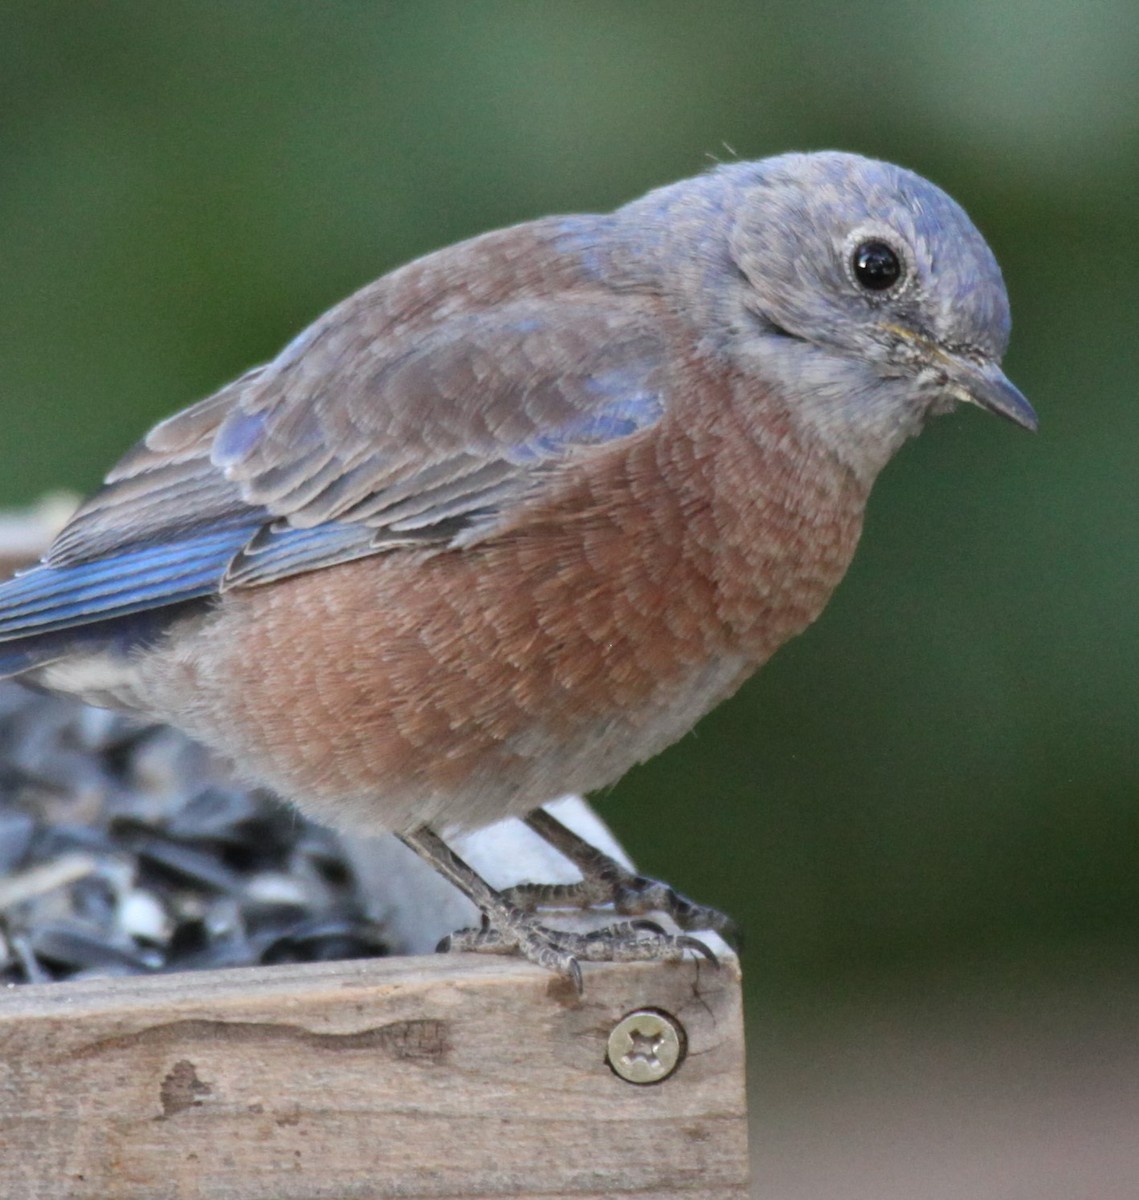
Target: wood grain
(410,1077)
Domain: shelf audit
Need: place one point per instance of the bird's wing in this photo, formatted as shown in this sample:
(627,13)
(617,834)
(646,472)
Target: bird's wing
(347,446)
(446,427)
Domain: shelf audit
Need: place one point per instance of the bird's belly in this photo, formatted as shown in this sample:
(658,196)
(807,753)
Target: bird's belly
(379,695)
(464,686)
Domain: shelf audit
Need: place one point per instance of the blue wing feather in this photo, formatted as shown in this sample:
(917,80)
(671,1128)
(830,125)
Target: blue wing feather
(49,598)
(271,478)
(277,552)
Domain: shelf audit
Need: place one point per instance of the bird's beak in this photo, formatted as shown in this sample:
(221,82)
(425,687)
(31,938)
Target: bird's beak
(987,386)
(982,383)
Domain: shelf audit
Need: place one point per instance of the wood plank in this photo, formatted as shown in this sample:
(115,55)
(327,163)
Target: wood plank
(412,1077)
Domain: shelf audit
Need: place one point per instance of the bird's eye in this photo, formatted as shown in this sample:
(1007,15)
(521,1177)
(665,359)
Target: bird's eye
(876,266)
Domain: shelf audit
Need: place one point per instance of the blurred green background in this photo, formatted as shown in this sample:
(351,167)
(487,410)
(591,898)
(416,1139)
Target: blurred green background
(942,772)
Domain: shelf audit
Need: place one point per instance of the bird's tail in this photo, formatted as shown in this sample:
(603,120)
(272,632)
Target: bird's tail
(116,602)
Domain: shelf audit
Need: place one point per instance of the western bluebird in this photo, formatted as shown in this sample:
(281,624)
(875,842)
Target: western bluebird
(514,517)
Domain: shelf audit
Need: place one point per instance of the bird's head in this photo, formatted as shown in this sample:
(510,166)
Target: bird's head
(863,292)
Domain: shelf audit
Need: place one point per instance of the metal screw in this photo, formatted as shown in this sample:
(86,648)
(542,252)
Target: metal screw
(646,1046)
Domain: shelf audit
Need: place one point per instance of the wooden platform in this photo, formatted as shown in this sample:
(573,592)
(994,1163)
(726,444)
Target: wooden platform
(410,1077)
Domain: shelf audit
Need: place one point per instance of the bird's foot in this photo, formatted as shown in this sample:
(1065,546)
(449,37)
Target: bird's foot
(510,930)
(630,894)
(606,881)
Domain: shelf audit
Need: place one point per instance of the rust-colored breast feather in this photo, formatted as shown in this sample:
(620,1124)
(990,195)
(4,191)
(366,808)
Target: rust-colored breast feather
(460,686)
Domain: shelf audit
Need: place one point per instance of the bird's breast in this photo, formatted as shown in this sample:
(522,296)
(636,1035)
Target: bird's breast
(465,685)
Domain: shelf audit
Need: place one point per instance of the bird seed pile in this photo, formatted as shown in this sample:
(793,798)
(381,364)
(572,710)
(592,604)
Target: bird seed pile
(124,849)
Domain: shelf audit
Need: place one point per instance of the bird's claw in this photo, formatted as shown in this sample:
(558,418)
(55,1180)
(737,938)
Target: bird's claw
(563,951)
(631,895)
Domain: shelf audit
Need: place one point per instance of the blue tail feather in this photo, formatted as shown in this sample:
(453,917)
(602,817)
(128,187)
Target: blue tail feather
(47,598)
(57,608)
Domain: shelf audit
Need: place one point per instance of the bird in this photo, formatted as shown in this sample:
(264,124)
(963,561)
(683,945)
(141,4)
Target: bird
(515,516)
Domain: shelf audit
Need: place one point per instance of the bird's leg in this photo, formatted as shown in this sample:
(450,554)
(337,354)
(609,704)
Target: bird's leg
(606,881)
(507,928)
